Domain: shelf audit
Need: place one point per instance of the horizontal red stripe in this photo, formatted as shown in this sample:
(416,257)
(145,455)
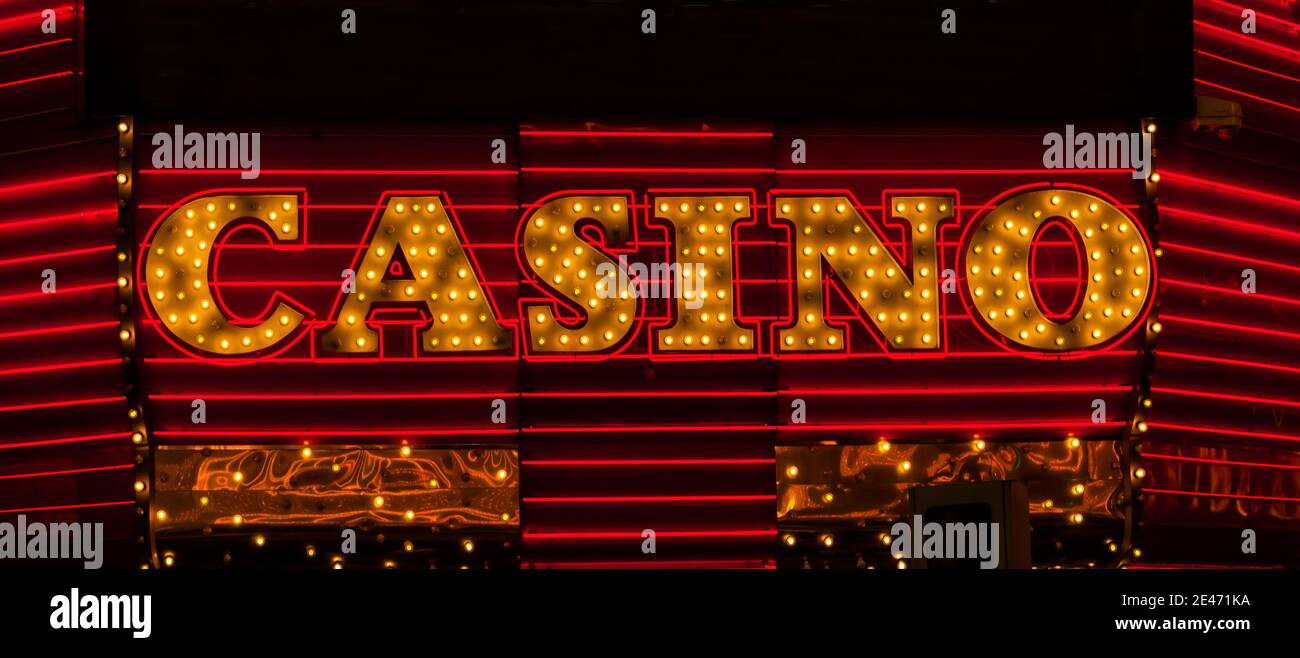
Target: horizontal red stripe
(62,403)
(59,366)
(1219,462)
(1225,396)
(1206,494)
(646,134)
(650,499)
(72,439)
(51,508)
(1223,430)
(54,182)
(70,471)
(636,534)
(647,462)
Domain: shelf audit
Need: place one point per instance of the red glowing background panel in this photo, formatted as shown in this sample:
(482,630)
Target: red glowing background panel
(1223,442)
(683,445)
(65,452)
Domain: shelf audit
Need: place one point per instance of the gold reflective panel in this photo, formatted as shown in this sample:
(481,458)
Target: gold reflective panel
(842,484)
(1115,257)
(232,486)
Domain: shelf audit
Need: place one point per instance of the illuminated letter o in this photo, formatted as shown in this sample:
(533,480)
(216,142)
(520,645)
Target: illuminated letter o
(1114,253)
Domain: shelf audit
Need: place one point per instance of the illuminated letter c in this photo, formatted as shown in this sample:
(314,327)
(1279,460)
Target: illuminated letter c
(177,273)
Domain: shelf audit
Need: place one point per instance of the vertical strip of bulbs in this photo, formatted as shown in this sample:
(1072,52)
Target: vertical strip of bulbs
(126,296)
(1131,443)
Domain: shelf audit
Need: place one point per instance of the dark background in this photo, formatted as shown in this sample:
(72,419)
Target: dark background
(1009,59)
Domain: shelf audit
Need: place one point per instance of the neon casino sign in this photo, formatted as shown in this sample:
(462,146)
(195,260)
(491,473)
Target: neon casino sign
(414,257)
